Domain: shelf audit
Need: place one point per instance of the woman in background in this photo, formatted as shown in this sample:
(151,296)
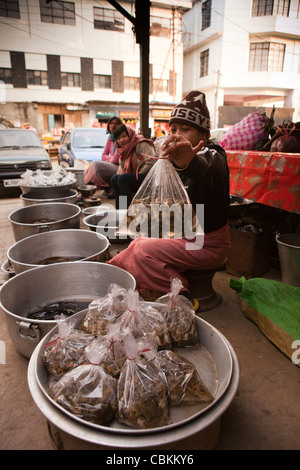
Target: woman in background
(134,151)
(100,171)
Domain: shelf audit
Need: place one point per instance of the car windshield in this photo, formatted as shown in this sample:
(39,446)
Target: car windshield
(18,139)
(89,139)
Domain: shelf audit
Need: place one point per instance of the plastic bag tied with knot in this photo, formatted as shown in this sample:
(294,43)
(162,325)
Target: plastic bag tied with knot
(66,349)
(104,311)
(142,394)
(143,319)
(179,315)
(87,391)
(161,207)
(108,350)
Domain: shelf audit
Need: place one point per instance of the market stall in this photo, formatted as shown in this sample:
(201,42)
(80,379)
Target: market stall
(266,177)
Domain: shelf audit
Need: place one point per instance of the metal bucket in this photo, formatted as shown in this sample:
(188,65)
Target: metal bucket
(24,293)
(190,428)
(67,245)
(69,196)
(107,223)
(57,216)
(79,175)
(288,245)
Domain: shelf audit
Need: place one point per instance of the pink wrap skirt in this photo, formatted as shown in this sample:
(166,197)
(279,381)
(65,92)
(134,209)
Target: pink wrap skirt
(154,262)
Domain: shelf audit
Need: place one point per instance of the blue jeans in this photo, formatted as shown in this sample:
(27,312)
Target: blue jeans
(126,185)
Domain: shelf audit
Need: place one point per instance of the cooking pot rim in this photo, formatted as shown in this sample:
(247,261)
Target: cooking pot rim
(77,212)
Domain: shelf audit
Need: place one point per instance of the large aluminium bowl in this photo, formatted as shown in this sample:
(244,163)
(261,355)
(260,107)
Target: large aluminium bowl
(192,427)
(38,218)
(106,223)
(57,246)
(69,196)
(24,293)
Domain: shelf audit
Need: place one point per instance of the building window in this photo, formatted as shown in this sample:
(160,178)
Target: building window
(204,56)
(37,77)
(105,18)
(160,86)
(57,12)
(70,79)
(10,8)
(266,57)
(160,27)
(102,81)
(206,14)
(131,83)
(270,7)
(5,75)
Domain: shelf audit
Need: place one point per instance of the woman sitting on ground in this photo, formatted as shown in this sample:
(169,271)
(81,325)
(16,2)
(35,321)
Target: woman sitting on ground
(134,163)
(100,171)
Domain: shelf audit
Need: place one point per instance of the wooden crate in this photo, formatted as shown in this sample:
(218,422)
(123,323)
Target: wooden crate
(249,254)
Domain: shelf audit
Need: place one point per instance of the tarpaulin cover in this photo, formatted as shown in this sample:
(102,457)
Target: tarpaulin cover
(265,177)
(277,301)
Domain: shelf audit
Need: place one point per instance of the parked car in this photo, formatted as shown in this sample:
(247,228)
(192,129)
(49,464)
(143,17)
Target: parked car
(80,146)
(20,150)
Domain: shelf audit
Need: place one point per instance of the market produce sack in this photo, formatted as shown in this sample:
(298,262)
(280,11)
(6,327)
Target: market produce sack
(275,308)
(161,207)
(247,133)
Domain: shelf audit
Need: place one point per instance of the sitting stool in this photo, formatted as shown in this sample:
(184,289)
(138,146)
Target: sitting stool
(200,285)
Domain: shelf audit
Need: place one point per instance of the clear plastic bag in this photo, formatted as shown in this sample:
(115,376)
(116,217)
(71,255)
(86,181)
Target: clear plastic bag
(179,315)
(142,394)
(87,391)
(161,207)
(104,311)
(66,349)
(109,351)
(144,320)
(184,384)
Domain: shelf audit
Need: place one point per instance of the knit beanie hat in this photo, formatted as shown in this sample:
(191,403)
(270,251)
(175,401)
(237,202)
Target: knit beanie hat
(192,111)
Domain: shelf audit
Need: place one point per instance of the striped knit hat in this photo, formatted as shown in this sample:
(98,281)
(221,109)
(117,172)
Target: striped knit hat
(192,111)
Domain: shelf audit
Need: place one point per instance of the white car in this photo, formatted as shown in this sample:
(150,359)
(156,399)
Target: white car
(20,150)
(80,146)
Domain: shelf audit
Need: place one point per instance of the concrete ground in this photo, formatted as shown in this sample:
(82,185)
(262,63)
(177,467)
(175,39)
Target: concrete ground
(264,414)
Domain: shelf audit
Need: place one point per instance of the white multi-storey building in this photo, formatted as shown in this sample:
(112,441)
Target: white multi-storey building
(71,63)
(245,55)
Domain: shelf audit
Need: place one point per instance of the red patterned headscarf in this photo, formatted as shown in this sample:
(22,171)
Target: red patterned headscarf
(128,152)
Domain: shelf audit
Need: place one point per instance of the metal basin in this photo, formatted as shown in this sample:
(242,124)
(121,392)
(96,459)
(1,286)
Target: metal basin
(24,293)
(69,196)
(39,218)
(57,246)
(193,430)
(107,223)
(95,209)
(87,190)
(79,176)
(47,192)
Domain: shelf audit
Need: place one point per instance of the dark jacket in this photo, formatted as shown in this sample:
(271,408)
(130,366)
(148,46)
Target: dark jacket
(206,180)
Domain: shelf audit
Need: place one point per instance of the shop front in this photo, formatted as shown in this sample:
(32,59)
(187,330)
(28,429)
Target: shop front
(102,118)
(161,121)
